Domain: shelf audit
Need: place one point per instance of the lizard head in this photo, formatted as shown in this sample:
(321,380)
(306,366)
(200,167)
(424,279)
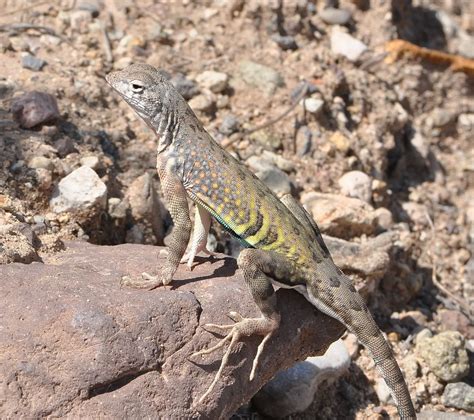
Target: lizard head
(142,86)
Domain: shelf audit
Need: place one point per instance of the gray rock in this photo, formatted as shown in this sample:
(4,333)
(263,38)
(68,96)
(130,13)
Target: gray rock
(335,16)
(81,189)
(356,184)
(369,260)
(213,80)
(285,42)
(445,355)
(346,45)
(65,146)
(459,395)
(292,391)
(276,179)
(77,344)
(31,62)
(145,205)
(340,216)
(304,141)
(229,125)
(35,108)
(266,138)
(261,77)
(186,87)
(313,105)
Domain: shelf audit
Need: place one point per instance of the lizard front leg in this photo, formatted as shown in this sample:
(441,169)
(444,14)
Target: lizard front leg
(258,267)
(176,200)
(202,223)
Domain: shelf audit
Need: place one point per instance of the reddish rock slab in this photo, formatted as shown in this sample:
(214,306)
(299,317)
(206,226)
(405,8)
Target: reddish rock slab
(74,343)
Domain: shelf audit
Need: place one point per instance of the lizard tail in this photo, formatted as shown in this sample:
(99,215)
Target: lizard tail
(349,308)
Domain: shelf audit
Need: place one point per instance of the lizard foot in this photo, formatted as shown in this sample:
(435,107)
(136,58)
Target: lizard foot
(188,258)
(244,327)
(147,281)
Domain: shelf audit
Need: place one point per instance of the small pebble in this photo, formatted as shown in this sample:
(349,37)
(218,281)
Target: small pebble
(313,105)
(335,16)
(230,124)
(285,42)
(32,63)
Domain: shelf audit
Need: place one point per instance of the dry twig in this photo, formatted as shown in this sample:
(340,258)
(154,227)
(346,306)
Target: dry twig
(434,277)
(302,94)
(19,27)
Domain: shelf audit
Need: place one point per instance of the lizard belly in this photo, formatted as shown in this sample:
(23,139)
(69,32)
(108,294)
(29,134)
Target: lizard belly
(310,298)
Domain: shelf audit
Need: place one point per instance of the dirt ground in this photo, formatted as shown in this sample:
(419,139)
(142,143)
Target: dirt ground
(407,123)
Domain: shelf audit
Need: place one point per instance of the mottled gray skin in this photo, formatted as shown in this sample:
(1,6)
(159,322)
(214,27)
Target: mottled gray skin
(285,246)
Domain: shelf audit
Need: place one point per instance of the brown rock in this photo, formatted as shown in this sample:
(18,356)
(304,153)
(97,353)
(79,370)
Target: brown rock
(340,216)
(35,108)
(74,343)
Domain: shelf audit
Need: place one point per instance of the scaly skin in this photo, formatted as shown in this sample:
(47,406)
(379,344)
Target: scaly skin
(284,245)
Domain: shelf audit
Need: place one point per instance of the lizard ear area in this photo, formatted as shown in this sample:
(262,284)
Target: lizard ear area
(137,86)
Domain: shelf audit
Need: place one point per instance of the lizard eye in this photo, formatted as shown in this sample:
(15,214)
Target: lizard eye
(137,86)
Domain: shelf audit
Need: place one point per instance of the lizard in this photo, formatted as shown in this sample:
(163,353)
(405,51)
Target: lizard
(283,244)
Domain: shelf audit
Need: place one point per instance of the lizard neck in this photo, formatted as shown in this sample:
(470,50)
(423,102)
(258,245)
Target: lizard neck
(165,122)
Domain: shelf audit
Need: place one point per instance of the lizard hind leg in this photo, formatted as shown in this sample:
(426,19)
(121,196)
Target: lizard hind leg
(258,267)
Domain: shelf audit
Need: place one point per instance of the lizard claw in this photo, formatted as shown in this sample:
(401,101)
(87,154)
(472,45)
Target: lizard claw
(244,327)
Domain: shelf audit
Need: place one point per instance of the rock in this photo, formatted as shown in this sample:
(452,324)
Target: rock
(276,179)
(340,216)
(452,320)
(382,391)
(445,355)
(203,103)
(117,208)
(346,45)
(90,161)
(35,108)
(229,125)
(65,146)
(313,105)
(304,141)
(78,344)
(146,208)
(285,42)
(40,162)
(356,184)
(213,80)
(384,218)
(441,415)
(268,139)
(341,142)
(466,46)
(129,43)
(16,243)
(186,87)
(335,16)
(261,77)
(369,260)
(459,395)
(81,189)
(416,212)
(292,391)
(31,62)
